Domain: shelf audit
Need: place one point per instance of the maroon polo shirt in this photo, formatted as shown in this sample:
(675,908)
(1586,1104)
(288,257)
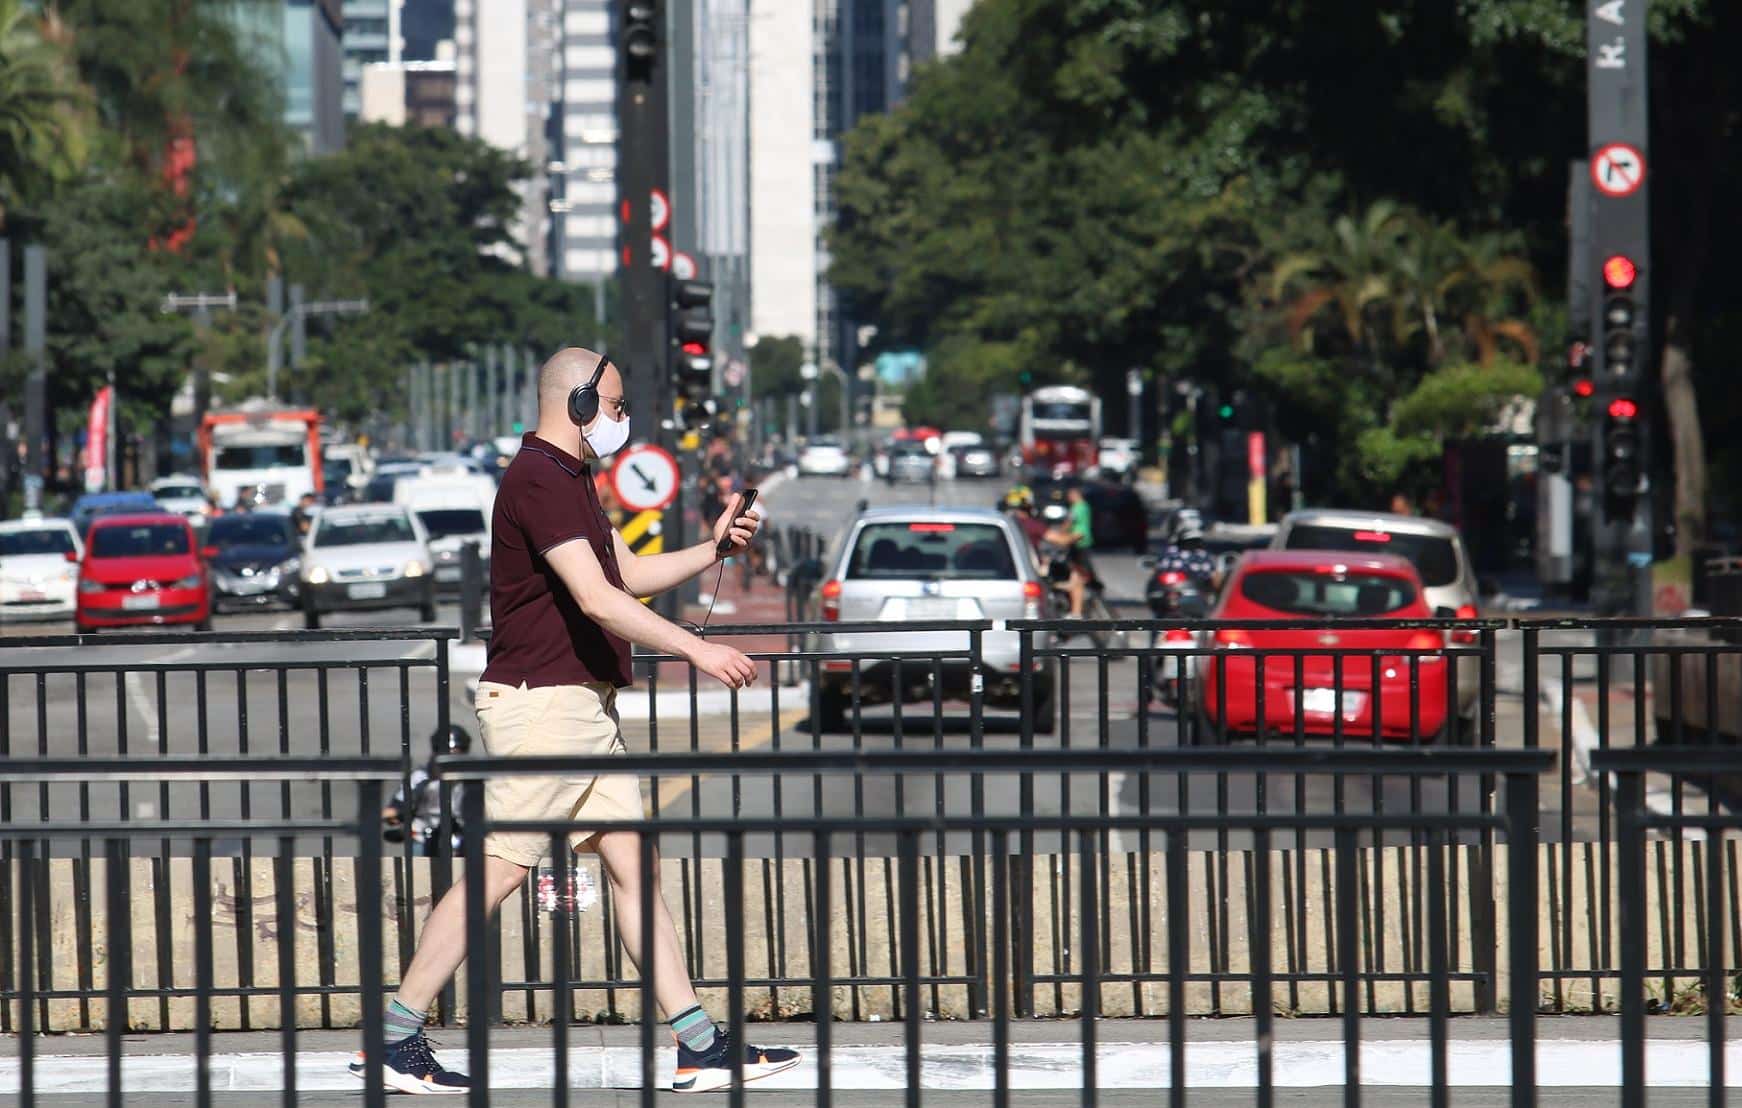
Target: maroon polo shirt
(540,636)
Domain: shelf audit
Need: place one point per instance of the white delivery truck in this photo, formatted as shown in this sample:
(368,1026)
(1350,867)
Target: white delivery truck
(270,455)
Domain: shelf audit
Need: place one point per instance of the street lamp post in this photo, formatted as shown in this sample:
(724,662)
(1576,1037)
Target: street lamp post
(275,340)
(201,305)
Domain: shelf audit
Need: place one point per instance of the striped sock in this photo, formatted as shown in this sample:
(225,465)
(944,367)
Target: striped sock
(401,1021)
(694,1029)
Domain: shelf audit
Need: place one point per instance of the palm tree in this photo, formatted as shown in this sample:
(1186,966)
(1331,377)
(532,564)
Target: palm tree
(43,108)
(1351,277)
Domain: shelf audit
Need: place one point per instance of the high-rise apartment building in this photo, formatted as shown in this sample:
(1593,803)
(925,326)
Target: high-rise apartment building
(584,151)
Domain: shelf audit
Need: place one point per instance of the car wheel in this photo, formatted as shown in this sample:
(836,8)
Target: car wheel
(204,624)
(311,619)
(83,629)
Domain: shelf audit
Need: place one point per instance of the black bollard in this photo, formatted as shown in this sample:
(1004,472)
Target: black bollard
(471,591)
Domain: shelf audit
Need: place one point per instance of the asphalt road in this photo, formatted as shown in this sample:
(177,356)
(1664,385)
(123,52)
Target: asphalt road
(256,698)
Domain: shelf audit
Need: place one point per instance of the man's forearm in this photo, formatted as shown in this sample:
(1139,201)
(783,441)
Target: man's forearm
(621,614)
(652,574)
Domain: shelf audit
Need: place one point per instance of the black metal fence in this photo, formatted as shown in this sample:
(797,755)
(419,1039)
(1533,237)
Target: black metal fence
(989,756)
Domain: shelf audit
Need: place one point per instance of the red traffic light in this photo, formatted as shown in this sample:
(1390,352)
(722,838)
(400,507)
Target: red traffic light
(1622,408)
(1619,271)
(1583,387)
(695,349)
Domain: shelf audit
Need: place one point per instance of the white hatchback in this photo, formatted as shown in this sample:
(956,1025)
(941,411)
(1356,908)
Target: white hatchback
(37,579)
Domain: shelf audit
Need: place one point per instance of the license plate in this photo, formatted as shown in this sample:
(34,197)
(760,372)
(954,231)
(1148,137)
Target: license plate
(932,607)
(1323,702)
(138,603)
(368,591)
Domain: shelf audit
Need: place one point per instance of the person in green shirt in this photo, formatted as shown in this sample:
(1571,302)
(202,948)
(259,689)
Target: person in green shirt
(1079,534)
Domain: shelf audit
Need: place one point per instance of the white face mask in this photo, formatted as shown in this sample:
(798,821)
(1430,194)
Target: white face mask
(608,435)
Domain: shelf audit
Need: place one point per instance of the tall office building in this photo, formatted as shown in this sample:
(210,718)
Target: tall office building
(423,26)
(860,60)
(299,44)
(371,37)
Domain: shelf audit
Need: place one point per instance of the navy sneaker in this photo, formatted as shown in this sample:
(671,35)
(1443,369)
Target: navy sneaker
(710,1069)
(409,1067)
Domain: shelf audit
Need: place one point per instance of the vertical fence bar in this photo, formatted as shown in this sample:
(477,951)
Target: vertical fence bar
(1347,953)
(477,974)
(369,858)
(648,864)
(26,971)
(1178,938)
(1089,939)
(1262,985)
(1439,988)
(562,921)
(822,984)
(1023,937)
(119,968)
(734,890)
(907,847)
(284,894)
(1521,929)
(203,972)
(1630,854)
(1001,862)
(1717,992)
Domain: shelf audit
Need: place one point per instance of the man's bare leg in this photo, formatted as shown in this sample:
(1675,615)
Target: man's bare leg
(620,851)
(443,945)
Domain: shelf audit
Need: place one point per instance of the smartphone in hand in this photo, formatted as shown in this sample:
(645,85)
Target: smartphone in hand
(743,510)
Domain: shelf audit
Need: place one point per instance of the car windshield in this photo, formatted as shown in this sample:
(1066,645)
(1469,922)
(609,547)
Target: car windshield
(1311,593)
(47,540)
(179,492)
(249,530)
(258,457)
(1061,411)
(335,470)
(357,532)
(1434,557)
(442,522)
(932,551)
(142,540)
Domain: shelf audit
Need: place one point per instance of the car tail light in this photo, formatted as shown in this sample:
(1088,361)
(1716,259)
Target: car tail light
(1173,577)
(1178,634)
(1234,639)
(1033,592)
(1465,611)
(831,595)
(1424,640)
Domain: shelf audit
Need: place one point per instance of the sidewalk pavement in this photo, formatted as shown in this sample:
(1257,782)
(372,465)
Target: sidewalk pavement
(869,1062)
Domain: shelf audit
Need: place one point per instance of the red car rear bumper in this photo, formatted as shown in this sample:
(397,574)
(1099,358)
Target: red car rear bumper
(110,608)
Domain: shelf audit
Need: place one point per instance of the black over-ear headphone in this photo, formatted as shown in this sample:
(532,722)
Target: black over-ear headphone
(584,399)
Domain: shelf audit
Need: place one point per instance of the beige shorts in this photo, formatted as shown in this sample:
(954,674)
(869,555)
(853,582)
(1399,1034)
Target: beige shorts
(518,722)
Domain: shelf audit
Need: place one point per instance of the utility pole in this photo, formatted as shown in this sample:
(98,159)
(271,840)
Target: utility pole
(201,305)
(1620,304)
(36,384)
(294,319)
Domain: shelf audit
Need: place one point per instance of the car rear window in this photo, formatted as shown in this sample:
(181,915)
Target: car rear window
(143,540)
(442,522)
(938,551)
(249,529)
(1309,593)
(1435,558)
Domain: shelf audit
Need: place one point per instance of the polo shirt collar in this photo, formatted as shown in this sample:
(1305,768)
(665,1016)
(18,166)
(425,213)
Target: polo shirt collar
(571,464)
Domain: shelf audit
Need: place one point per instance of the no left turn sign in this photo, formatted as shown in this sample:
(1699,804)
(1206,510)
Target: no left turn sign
(1617,170)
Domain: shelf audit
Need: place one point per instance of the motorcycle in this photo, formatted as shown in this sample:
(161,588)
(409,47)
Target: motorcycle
(1171,595)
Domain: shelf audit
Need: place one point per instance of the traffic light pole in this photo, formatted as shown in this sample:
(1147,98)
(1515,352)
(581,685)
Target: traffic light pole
(1619,127)
(643,165)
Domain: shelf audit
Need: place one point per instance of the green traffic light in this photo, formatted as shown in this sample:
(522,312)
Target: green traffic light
(1226,411)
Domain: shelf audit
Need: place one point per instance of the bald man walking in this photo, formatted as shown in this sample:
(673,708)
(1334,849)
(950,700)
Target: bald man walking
(563,589)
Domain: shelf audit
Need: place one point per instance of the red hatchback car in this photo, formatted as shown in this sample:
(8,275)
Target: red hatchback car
(142,569)
(1324,585)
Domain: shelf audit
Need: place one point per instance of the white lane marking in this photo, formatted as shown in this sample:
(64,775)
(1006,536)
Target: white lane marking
(1213,1065)
(141,700)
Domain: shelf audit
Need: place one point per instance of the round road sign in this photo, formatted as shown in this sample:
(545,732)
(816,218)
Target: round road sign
(645,478)
(659,214)
(1617,170)
(683,266)
(660,255)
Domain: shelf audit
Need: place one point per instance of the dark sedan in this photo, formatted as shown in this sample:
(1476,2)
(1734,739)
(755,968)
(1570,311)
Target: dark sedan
(256,561)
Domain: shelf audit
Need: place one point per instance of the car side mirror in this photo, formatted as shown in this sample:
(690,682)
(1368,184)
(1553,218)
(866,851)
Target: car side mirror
(1443,612)
(73,557)
(208,552)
